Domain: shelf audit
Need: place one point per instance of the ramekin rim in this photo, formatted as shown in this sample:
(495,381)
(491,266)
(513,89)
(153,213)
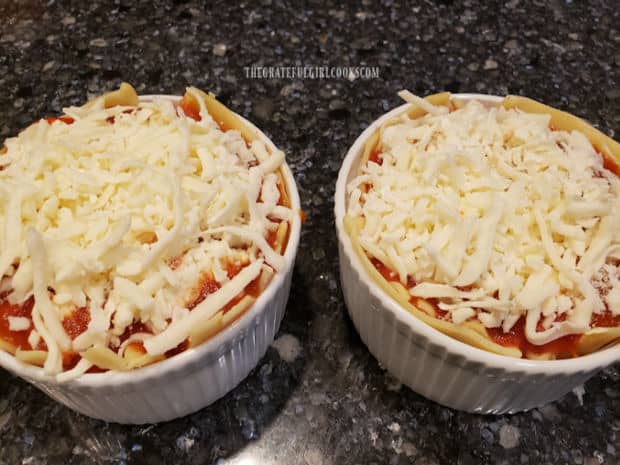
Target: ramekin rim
(208,349)
(595,360)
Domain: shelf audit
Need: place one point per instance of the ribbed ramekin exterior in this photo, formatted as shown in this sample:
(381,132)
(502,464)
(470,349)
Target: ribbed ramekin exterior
(186,388)
(437,373)
(433,364)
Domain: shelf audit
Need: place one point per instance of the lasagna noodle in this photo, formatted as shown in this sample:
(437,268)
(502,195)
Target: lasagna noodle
(472,332)
(125,95)
(206,329)
(225,118)
(32,357)
(7,346)
(597,338)
(105,358)
(237,310)
(136,357)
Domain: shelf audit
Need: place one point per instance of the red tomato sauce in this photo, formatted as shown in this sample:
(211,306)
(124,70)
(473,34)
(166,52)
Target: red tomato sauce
(207,285)
(608,163)
(563,347)
(70,360)
(112,119)
(375,156)
(175,262)
(53,119)
(183,346)
(252,289)
(271,238)
(190,108)
(19,339)
(134,328)
(76,322)
(604,320)
(387,274)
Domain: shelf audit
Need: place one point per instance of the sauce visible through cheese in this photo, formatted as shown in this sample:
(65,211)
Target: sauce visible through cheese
(375,156)
(391,276)
(563,347)
(190,108)
(19,339)
(76,322)
(63,119)
(605,320)
(609,163)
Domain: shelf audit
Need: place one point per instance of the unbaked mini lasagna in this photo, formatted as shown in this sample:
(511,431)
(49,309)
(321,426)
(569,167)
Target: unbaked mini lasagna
(132,229)
(498,225)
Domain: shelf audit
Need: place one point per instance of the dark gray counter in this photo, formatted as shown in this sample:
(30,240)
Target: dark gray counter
(319,398)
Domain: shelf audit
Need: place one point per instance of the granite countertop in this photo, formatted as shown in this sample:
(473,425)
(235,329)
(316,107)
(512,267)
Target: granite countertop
(318,397)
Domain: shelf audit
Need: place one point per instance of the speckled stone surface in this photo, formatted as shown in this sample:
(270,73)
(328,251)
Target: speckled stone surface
(318,397)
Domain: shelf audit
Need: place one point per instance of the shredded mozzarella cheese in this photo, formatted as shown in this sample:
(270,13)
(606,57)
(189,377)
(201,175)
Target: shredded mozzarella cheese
(495,215)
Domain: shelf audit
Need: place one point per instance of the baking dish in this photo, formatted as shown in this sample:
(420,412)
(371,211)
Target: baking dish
(433,364)
(195,377)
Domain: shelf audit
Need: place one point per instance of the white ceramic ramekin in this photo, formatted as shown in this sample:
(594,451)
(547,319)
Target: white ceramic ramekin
(437,366)
(192,379)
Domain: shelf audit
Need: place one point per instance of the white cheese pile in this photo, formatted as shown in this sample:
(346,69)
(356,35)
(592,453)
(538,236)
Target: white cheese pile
(496,216)
(92,213)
